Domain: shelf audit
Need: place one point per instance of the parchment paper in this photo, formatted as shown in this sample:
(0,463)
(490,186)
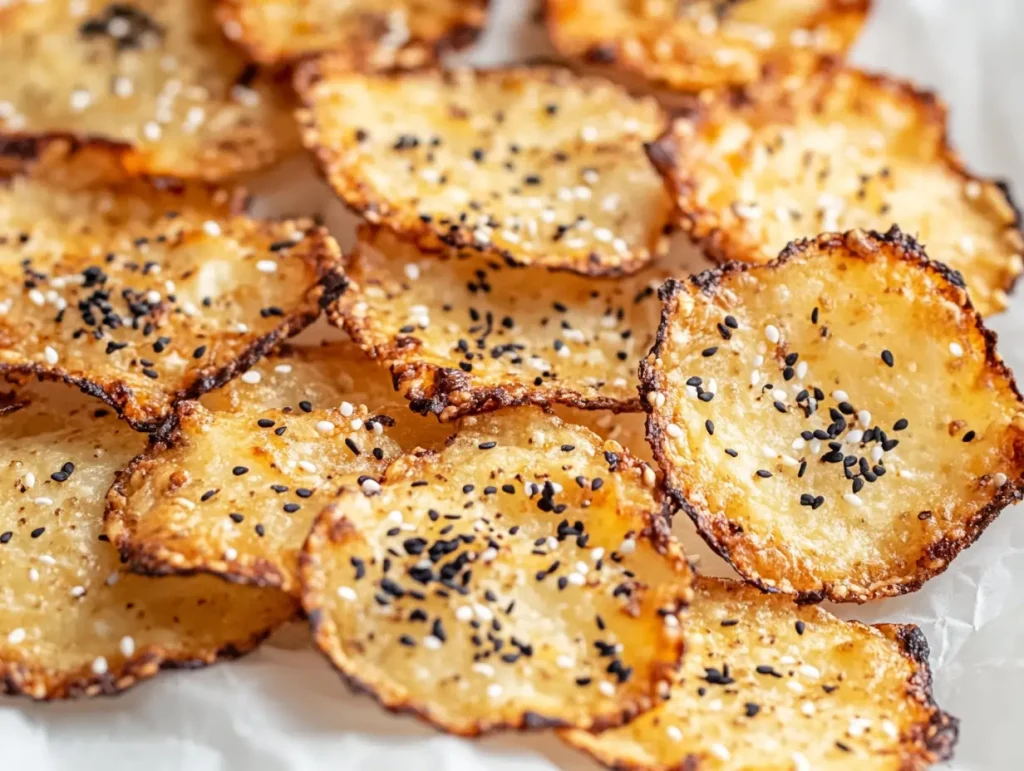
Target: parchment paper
(282,708)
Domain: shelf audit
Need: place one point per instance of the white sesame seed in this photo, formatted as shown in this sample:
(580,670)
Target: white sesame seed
(99,665)
(489,554)
(755,377)
(956,349)
(324,426)
(889,728)
(127,645)
(30,480)
(999,478)
(80,99)
(50,355)
(283,369)
(864,418)
(370,486)
(36,297)
(241,328)
(840,396)
(152,131)
(266,266)
(876,453)
(431,643)
(809,671)
(858,726)
(251,377)
(356,423)
(598,553)
(211,228)
(123,87)
(628,546)
(606,688)
(346,410)
(16,636)
(77,591)
(674,733)
(576,579)
(853,499)
(794,686)
(494,691)
(308,467)
(798,443)
(347,593)
(464,613)
(231,554)
(772,333)
(808,708)
(854,436)
(800,763)
(673,430)
(152,297)
(412,271)
(801,369)
(33,574)
(565,662)
(43,501)
(779,395)
(588,133)
(486,670)
(720,751)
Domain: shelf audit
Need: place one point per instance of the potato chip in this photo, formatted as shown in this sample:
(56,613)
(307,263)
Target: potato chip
(532,164)
(157,79)
(328,376)
(691,46)
(838,423)
(73,622)
(235,493)
(523,577)
(766,684)
(844,150)
(465,332)
(406,31)
(140,302)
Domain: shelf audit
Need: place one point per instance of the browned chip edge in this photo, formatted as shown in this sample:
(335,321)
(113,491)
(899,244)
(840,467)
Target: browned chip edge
(859,244)
(703,225)
(332,525)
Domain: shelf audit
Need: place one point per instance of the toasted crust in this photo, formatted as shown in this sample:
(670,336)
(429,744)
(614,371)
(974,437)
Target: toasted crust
(868,691)
(136,291)
(940,393)
(471,499)
(470,333)
(156,79)
(854,150)
(703,45)
(74,623)
(501,161)
(403,32)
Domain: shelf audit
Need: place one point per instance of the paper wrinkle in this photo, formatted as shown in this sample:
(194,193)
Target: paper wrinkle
(284,709)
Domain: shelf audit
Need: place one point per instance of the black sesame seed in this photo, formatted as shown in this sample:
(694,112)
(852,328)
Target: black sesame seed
(265,423)
(236,517)
(710,427)
(900,424)
(800,627)
(239,471)
(731,452)
(38,532)
(487,445)
(751,709)
(763,473)
(305,406)
(887,358)
(291,508)
(709,351)
(968,436)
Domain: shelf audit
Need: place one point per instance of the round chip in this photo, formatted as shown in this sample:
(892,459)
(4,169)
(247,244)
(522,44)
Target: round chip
(768,684)
(407,31)
(863,429)
(534,165)
(140,302)
(691,46)
(155,78)
(333,375)
(467,333)
(523,577)
(73,622)
(235,493)
(843,150)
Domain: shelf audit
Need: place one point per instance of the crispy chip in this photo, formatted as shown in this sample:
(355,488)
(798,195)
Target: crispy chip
(845,150)
(863,429)
(73,622)
(691,46)
(406,31)
(235,493)
(532,164)
(332,375)
(766,684)
(466,333)
(156,79)
(523,577)
(141,302)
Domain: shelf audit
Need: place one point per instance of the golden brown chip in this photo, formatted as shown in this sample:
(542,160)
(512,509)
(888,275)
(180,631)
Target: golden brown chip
(466,333)
(845,150)
(766,684)
(328,376)
(861,428)
(406,31)
(235,493)
(73,622)
(522,577)
(142,302)
(533,164)
(157,79)
(690,46)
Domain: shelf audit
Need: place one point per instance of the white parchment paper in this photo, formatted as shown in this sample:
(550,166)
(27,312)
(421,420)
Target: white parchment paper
(283,709)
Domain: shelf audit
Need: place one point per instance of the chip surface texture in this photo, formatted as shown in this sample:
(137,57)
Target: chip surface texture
(766,684)
(523,577)
(531,164)
(863,429)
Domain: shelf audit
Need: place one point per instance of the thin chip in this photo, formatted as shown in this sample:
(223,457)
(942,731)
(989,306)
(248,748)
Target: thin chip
(532,164)
(407,32)
(843,150)
(863,431)
(768,684)
(73,621)
(154,78)
(467,333)
(141,303)
(521,578)
(235,493)
(334,375)
(706,44)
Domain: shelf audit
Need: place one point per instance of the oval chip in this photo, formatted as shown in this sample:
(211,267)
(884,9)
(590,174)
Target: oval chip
(843,150)
(73,622)
(863,429)
(153,77)
(407,31)
(532,164)
(691,46)
(522,577)
(143,292)
(466,333)
(767,684)
(235,493)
